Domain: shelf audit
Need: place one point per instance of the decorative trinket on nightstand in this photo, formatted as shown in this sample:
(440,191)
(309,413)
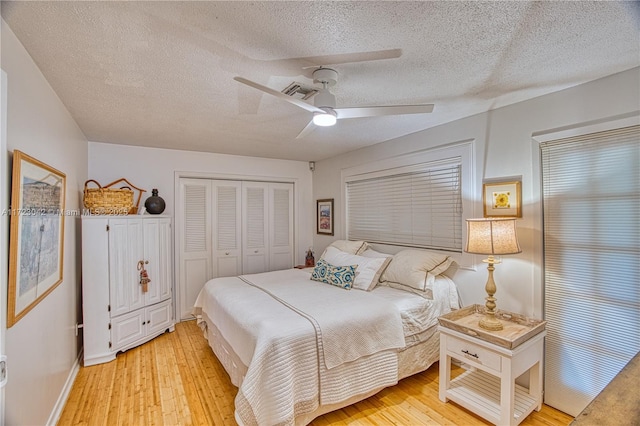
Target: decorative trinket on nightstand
(309,261)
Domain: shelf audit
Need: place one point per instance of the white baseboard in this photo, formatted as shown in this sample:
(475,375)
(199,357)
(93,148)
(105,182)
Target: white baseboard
(64,394)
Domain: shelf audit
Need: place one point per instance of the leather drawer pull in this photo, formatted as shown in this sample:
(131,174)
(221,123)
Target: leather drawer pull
(470,354)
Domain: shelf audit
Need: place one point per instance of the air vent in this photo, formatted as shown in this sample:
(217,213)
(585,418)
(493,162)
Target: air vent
(297,90)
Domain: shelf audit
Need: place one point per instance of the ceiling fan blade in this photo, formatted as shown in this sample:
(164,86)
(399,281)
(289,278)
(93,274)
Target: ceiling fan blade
(348,58)
(378,111)
(308,129)
(308,63)
(278,95)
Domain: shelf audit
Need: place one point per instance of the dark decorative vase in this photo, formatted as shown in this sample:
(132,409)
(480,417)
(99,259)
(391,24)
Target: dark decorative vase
(154,204)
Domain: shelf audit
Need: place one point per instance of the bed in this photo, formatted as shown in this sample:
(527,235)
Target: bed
(298,347)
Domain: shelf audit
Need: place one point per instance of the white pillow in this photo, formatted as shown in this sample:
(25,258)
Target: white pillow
(351,247)
(368,270)
(415,270)
(369,252)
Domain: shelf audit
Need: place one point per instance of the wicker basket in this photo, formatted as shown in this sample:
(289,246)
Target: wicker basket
(107,200)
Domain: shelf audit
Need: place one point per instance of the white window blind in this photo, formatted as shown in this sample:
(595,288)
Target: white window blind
(417,206)
(591,196)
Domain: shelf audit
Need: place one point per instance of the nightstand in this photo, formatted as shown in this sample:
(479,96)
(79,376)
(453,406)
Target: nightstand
(496,359)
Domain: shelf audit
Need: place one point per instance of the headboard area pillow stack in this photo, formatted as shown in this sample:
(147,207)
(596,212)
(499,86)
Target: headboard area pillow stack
(415,271)
(369,252)
(368,270)
(411,270)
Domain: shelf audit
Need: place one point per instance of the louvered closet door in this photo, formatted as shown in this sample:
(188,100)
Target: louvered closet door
(281,226)
(255,219)
(226,211)
(195,257)
(229,228)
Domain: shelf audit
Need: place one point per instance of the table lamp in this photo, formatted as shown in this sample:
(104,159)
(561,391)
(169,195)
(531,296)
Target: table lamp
(491,236)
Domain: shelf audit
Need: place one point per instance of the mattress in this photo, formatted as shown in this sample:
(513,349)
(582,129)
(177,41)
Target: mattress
(419,313)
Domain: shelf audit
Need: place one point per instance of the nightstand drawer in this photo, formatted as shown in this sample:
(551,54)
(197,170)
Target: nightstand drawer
(475,354)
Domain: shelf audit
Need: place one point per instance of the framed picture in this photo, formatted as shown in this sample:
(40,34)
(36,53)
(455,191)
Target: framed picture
(36,235)
(502,199)
(325,216)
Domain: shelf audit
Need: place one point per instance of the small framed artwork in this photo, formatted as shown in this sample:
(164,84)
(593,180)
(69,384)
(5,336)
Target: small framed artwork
(37,234)
(325,217)
(502,199)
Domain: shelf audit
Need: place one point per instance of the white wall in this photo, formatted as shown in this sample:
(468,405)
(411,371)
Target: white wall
(42,348)
(150,168)
(503,148)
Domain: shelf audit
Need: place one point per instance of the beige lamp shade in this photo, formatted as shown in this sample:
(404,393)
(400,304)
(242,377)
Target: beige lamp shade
(493,236)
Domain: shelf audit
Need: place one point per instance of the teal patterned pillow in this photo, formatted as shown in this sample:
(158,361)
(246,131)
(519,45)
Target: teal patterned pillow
(320,271)
(340,276)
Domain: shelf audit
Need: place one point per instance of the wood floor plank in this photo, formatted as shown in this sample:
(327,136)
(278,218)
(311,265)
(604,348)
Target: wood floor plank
(188,382)
(176,379)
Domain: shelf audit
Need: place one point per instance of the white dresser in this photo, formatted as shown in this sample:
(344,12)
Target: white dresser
(118,313)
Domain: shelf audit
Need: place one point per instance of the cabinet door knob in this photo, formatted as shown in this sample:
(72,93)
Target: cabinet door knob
(255,251)
(226,253)
(144,322)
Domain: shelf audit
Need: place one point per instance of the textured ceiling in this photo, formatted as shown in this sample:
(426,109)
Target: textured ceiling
(161,74)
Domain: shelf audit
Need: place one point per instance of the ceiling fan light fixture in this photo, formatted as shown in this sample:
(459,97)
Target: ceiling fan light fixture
(328,118)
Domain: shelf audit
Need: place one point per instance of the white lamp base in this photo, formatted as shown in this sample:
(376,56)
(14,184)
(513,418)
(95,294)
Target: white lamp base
(490,322)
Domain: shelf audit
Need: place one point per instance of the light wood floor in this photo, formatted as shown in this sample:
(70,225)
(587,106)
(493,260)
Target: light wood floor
(176,380)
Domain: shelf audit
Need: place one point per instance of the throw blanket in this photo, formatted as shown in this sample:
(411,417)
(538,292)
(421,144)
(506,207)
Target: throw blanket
(304,343)
(350,324)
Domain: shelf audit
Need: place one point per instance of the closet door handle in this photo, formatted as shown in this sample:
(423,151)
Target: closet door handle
(226,253)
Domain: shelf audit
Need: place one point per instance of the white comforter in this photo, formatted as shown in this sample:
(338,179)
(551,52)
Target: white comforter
(304,343)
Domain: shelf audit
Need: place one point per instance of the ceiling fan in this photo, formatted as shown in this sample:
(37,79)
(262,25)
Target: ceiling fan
(324,109)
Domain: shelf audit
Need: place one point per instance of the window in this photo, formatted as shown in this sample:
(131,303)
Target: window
(414,201)
(591,198)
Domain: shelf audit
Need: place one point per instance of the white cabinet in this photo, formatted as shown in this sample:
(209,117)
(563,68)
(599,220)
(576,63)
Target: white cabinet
(140,325)
(117,313)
